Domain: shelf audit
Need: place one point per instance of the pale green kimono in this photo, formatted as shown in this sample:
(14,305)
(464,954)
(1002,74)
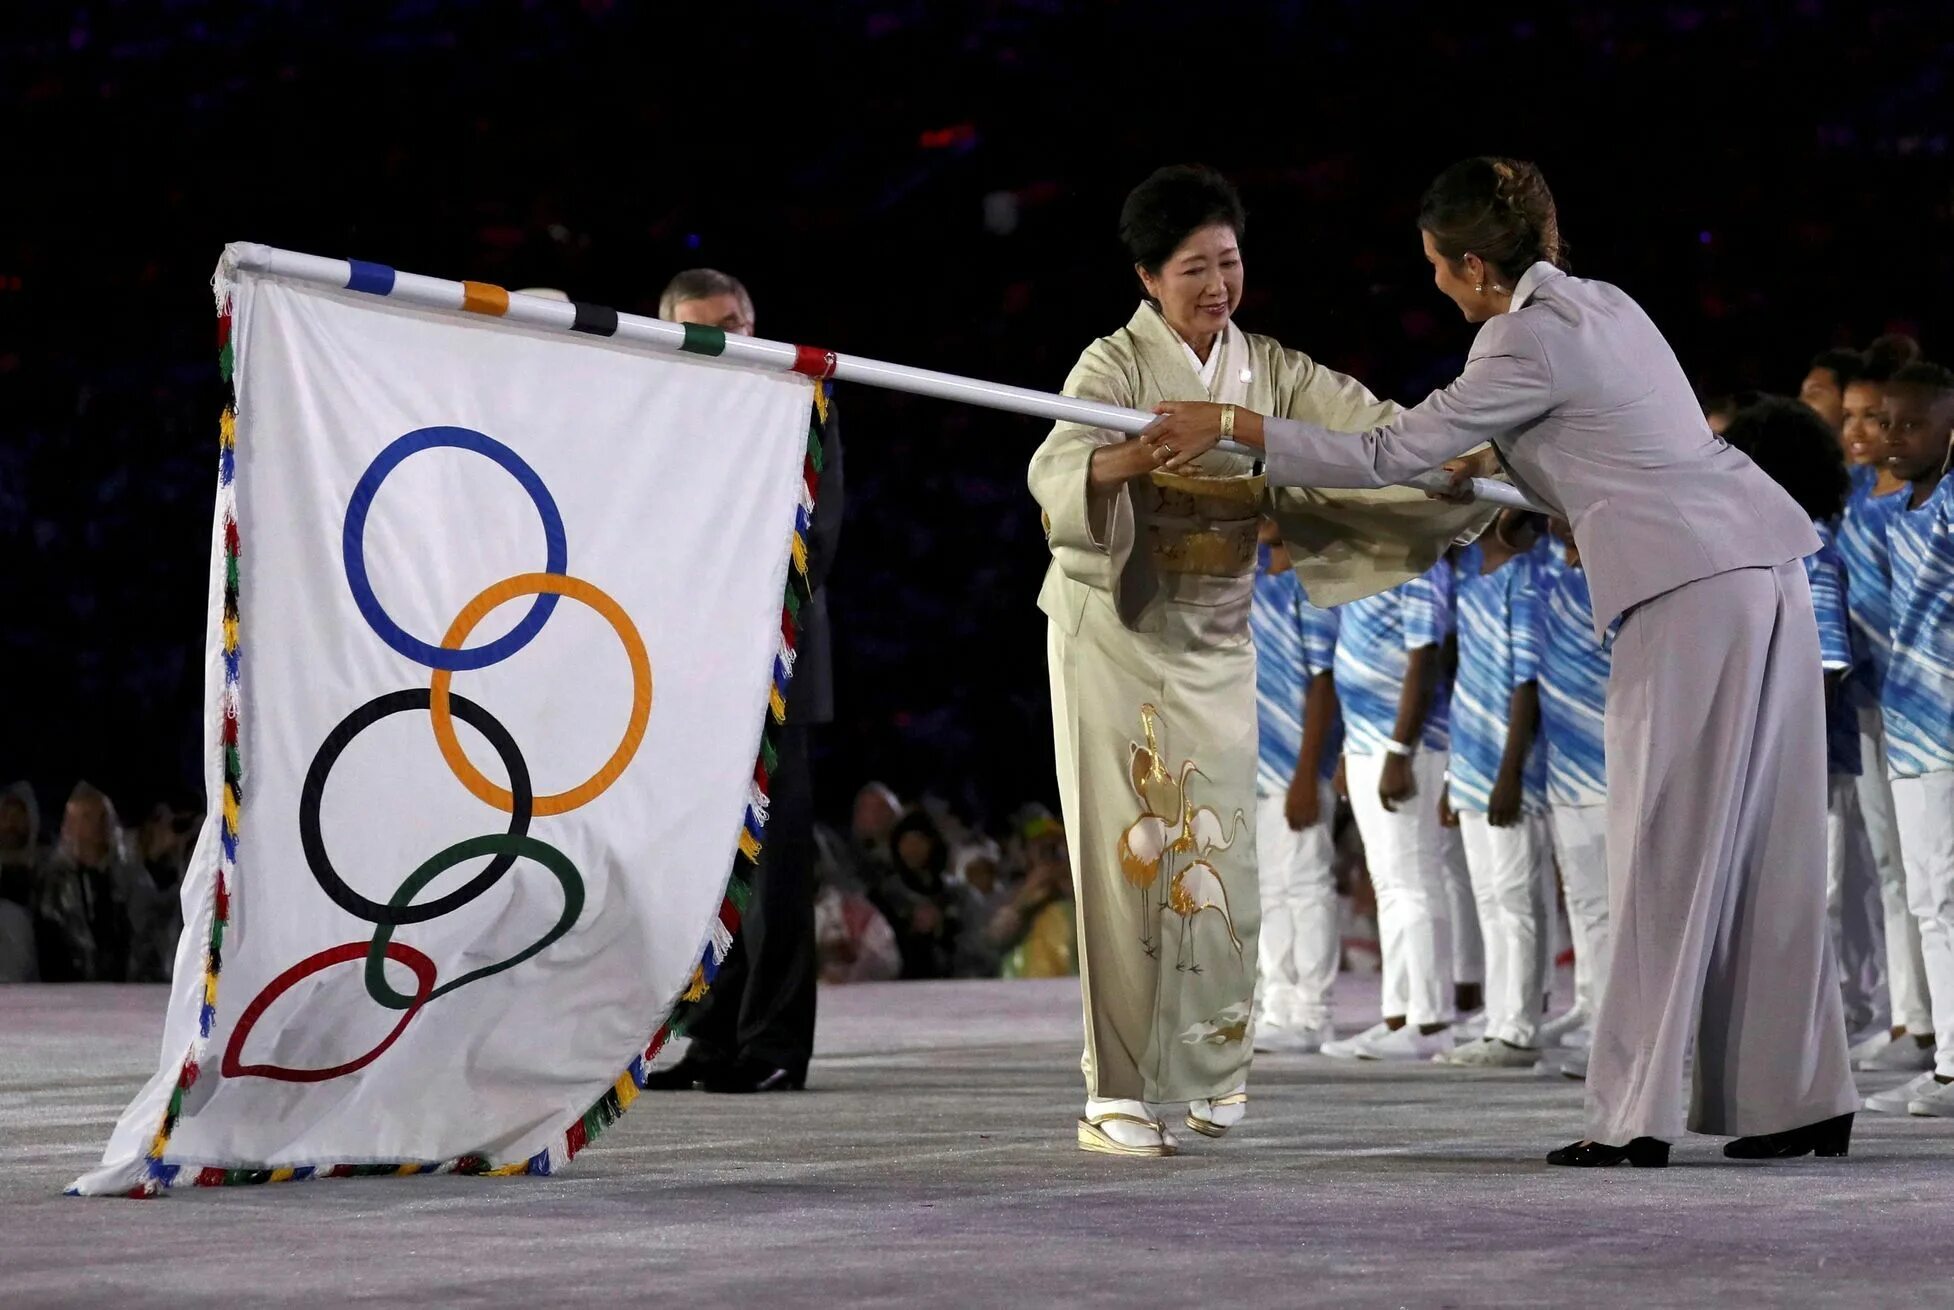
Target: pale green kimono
(1153,691)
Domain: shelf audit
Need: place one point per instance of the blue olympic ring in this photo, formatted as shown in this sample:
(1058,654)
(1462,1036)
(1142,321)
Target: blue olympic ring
(353,545)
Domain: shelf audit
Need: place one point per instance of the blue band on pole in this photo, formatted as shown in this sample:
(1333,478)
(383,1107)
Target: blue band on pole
(374,279)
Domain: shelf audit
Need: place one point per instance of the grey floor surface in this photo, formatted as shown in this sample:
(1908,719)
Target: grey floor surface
(933,1163)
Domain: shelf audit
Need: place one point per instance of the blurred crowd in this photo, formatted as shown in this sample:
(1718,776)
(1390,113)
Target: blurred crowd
(914,892)
(97,903)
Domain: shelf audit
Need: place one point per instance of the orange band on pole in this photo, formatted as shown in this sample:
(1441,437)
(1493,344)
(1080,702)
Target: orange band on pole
(484,298)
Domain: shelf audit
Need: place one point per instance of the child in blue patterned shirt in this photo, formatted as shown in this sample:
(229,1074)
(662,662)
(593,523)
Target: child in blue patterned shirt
(1907,1043)
(1918,700)
(1497,783)
(1298,736)
(1388,682)
(1573,709)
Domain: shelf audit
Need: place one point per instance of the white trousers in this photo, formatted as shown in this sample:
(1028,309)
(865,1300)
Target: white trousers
(1906,972)
(1581,846)
(1468,937)
(1852,902)
(1925,809)
(1403,851)
(1301,941)
(1510,887)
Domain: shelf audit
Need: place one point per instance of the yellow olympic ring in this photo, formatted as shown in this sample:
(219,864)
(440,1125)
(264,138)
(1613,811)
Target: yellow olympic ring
(530,584)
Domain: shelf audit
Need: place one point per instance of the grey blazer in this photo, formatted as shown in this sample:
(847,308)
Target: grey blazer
(1591,415)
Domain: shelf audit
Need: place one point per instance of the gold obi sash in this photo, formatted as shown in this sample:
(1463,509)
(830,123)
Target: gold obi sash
(1205,526)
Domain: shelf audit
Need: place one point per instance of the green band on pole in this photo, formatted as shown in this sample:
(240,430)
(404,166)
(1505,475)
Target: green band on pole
(703,340)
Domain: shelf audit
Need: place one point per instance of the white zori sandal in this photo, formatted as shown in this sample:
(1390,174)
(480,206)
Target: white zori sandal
(1123,1128)
(1214,1118)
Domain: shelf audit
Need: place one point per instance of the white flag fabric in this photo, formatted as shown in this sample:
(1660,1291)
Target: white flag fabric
(496,626)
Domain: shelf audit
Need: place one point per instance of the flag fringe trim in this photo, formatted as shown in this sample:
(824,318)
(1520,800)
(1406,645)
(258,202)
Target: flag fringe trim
(720,933)
(156,1173)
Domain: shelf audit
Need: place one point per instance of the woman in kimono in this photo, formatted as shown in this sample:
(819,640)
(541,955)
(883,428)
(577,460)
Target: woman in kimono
(1153,675)
(1715,725)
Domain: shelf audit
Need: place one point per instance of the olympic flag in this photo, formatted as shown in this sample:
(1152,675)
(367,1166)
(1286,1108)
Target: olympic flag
(500,618)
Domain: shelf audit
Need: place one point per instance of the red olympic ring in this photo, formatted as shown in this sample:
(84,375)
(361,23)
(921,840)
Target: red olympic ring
(424,977)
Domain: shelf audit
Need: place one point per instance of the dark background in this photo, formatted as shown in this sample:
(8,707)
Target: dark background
(1767,178)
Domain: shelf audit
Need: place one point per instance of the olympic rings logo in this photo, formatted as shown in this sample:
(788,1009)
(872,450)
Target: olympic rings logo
(518,800)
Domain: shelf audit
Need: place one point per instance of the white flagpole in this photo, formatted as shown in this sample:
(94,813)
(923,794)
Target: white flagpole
(540,311)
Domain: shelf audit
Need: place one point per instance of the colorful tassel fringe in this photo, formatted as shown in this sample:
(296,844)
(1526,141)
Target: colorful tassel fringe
(157,1174)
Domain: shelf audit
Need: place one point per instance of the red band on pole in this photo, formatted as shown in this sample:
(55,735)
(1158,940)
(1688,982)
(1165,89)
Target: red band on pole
(814,361)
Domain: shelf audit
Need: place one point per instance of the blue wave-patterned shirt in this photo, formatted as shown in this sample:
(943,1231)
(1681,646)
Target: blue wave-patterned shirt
(1375,638)
(1863,551)
(1826,573)
(1498,616)
(1573,687)
(1918,698)
(1294,642)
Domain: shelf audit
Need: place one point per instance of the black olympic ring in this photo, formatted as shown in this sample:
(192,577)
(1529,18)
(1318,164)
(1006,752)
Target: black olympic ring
(380,707)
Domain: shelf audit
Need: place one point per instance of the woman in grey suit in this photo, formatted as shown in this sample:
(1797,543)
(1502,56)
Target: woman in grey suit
(1715,730)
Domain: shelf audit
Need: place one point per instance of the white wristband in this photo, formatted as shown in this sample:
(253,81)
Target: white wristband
(1392,747)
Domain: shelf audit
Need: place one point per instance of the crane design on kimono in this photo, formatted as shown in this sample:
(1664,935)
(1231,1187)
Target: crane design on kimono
(1173,833)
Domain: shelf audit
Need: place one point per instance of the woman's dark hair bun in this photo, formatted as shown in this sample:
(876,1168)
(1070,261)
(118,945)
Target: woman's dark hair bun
(1496,208)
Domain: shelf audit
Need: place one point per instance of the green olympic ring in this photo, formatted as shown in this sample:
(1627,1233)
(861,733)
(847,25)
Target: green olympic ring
(493,844)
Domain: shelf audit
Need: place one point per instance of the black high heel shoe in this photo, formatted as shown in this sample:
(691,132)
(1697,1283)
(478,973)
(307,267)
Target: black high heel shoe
(1829,1137)
(1642,1153)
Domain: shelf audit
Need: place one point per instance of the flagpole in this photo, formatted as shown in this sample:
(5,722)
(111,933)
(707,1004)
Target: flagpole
(569,316)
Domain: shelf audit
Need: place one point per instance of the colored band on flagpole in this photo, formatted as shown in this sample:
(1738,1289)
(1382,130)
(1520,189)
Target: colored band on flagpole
(814,362)
(703,340)
(484,298)
(597,320)
(374,279)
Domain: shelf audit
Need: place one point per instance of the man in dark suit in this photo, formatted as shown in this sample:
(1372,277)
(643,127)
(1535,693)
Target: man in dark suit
(755,1031)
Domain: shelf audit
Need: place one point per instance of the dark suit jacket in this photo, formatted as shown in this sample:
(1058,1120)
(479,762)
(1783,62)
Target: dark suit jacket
(811,698)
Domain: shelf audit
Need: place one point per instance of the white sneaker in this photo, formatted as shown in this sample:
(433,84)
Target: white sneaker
(1300,1040)
(1310,1039)
(1347,1048)
(1574,1064)
(1471,1028)
(1905,1055)
(1895,1100)
(1407,1043)
(1123,1128)
(1937,1102)
(1856,1035)
(1558,1029)
(1459,1054)
(1489,1053)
